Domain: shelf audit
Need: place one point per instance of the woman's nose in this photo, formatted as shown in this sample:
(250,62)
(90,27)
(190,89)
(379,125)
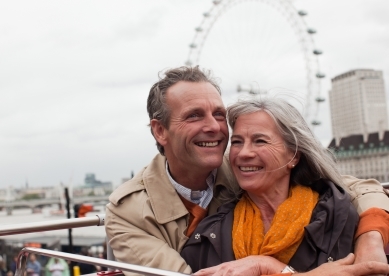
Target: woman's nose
(246,150)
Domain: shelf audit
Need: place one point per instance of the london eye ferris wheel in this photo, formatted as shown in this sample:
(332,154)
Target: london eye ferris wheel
(260,47)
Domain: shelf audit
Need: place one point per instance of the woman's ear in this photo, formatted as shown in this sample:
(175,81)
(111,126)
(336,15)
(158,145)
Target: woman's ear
(159,131)
(293,163)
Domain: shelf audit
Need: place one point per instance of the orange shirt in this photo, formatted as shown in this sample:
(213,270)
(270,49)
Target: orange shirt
(374,219)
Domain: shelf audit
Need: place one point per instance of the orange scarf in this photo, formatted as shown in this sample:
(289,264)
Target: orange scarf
(286,230)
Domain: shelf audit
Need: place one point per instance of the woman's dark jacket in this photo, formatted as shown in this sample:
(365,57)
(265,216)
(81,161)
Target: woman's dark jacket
(328,236)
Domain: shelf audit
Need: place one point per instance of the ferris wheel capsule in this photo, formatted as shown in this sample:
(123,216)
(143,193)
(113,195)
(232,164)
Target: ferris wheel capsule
(320,75)
(302,13)
(188,63)
(320,99)
(206,14)
(316,122)
(311,31)
(193,45)
(251,89)
(317,52)
(199,29)
(216,2)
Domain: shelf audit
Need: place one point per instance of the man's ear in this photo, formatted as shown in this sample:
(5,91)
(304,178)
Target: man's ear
(159,131)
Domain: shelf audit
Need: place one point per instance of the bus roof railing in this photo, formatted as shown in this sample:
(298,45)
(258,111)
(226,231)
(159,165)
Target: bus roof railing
(31,227)
(97,220)
(59,224)
(149,271)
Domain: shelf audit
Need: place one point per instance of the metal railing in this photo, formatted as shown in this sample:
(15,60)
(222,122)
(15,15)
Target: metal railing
(23,255)
(98,220)
(22,228)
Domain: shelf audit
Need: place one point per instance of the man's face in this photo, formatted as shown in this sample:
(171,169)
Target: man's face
(32,258)
(198,134)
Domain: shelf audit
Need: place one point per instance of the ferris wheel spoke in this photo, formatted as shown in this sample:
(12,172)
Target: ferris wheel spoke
(259,45)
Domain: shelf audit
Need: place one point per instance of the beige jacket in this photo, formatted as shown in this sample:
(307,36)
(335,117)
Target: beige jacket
(146,220)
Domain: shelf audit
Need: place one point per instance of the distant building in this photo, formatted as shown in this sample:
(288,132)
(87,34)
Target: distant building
(93,187)
(363,159)
(125,179)
(92,182)
(358,104)
(360,124)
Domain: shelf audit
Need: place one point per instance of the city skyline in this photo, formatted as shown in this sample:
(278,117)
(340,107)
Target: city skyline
(75,78)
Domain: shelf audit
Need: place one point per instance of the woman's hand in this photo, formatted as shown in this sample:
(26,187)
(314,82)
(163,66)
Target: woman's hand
(249,266)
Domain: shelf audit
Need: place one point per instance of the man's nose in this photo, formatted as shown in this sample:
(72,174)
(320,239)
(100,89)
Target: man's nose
(211,124)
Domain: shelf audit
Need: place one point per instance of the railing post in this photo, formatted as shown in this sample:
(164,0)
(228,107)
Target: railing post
(69,230)
(110,255)
(21,263)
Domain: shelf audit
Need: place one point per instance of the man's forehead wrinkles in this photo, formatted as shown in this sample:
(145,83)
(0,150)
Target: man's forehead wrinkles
(189,109)
(202,109)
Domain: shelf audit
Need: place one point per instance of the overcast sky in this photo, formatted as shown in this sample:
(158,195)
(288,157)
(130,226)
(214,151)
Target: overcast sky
(74,75)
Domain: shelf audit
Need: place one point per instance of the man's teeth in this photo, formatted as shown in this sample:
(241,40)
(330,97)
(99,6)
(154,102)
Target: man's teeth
(207,144)
(249,169)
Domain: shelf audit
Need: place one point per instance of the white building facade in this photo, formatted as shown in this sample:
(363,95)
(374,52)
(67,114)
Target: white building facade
(358,104)
(362,159)
(360,124)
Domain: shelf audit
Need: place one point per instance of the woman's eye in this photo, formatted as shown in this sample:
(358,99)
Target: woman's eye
(260,141)
(234,142)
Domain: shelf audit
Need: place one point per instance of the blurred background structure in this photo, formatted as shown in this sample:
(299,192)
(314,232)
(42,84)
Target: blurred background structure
(358,104)
(359,116)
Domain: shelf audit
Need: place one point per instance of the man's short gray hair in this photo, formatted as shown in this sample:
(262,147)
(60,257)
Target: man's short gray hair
(156,102)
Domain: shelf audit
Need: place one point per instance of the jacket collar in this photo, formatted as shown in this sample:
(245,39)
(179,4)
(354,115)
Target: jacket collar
(328,224)
(165,202)
(330,232)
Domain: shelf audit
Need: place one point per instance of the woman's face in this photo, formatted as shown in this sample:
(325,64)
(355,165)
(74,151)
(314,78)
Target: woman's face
(258,155)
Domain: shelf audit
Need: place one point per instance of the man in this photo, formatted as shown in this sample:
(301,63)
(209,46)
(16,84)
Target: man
(33,267)
(150,217)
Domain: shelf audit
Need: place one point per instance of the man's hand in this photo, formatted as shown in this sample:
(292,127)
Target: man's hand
(249,266)
(346,267)
(370,247)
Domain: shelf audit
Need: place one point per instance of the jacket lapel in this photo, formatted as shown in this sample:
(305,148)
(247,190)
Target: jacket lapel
(166,204)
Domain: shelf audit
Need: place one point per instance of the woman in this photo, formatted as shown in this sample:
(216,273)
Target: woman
(292,206)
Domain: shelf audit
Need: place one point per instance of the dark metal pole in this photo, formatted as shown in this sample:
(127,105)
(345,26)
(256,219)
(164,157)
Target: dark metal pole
(69,230)
(68,213)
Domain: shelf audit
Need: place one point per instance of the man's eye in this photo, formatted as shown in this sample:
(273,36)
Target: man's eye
(220,114)
(194,115)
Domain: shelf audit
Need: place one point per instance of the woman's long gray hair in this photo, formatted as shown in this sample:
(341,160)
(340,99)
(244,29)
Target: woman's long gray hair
(315,162)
